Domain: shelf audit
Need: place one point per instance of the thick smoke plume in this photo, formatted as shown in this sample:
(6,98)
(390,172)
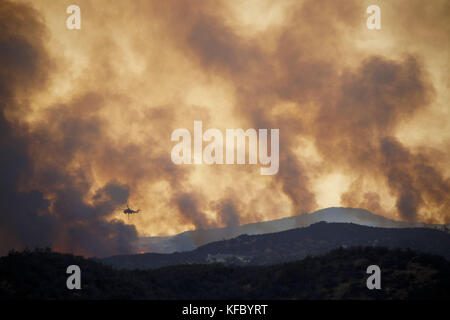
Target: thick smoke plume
(27,216)
(86,116)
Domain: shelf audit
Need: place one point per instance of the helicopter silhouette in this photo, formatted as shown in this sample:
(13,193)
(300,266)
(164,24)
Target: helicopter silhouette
(129,211)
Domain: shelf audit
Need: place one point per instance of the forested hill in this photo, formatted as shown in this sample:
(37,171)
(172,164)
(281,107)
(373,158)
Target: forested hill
(340,274)
(291,245)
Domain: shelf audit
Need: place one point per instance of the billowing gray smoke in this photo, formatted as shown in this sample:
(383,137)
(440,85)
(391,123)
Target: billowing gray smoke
(26,218)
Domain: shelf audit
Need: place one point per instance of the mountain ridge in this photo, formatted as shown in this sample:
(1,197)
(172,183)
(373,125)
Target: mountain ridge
(190,240)
(291,245)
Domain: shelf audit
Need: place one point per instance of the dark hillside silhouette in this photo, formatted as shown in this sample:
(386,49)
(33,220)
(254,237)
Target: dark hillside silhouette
(295,244)
(340,274)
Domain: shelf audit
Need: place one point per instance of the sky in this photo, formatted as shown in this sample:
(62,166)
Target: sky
(87,115)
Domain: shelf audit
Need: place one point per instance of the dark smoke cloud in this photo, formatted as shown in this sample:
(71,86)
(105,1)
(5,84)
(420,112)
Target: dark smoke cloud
(228,213)
(295,183)
(65,176)
(188,206)
(414,181)
(357,110)
(20,53)
(27,219)
(356,129)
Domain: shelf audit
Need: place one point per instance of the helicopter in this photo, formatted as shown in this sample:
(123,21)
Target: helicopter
(129,211)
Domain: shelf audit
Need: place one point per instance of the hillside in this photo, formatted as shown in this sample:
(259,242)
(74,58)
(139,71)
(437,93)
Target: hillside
(191,240)
(293,245)
(340,274)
